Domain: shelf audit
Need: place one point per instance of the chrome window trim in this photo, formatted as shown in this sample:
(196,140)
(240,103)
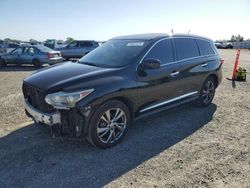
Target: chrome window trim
(178,61)
(169,101)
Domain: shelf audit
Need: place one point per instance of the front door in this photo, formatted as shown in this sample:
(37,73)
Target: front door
(159,87)
(28,55)
(14,56)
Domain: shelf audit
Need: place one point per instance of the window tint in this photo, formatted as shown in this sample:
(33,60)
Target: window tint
(186,48)
(73,44)
(85,44)
(205,47)
(17,51)
(162,51)
(26,50)
(32,50)
(50,42)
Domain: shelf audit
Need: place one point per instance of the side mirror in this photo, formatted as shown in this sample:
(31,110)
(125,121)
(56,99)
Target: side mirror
(151,64)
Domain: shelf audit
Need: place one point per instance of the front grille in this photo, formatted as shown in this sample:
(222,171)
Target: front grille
(36,98)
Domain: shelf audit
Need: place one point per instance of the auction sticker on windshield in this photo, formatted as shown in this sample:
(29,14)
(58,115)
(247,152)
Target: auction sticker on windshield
(135,44)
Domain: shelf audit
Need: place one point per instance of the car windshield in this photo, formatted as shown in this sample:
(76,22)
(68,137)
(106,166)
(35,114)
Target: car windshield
(50,42)
(44,48)
(114,53)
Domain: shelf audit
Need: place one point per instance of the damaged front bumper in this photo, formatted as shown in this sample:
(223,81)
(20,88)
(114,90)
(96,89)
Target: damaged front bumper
(71,122)
(40,117)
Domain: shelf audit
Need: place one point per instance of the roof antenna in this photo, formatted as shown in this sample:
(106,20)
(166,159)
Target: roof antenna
(172,31)
(189,31)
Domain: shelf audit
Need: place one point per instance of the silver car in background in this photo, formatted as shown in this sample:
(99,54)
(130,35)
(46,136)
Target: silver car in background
(31,54)
(78,48)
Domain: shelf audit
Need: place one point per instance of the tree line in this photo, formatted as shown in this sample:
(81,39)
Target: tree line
(33,41)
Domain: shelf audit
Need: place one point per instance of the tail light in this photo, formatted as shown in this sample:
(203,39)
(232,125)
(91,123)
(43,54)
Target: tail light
(222,61)
(50,55)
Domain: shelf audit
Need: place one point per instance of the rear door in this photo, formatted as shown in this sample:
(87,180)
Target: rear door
(85,47)
(27,55)
(14,56)
(159,87)
(188,57)
(71,50)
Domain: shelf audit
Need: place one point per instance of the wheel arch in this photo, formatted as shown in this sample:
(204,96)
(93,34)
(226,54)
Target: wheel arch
(215,77)
(128,103)
(35,59)
(122,99)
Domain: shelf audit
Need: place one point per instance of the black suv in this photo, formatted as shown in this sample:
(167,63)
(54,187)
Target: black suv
(127,77)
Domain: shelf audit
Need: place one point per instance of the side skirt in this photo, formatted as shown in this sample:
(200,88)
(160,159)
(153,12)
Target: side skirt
(166,107)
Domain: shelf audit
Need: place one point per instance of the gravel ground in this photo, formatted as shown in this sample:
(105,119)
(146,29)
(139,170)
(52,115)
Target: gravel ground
(182,147)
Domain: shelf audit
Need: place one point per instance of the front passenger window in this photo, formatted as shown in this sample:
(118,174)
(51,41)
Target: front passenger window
(163,51)
(17,51)
(73,45)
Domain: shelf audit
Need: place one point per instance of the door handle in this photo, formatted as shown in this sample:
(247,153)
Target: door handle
(174,73)
(204,64)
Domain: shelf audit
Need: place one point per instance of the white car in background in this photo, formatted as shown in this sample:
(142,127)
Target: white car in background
(53,43)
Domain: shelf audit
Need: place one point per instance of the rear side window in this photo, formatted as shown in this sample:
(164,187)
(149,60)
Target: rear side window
(186,48)
(73,44)
(163,51)
(85,44)
(205,47)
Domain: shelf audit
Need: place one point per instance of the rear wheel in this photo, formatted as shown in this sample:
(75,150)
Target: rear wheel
(109,124)
(207,92)
(2,63)
(36,63)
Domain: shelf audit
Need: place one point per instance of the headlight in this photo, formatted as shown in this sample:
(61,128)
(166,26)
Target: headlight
(62,100)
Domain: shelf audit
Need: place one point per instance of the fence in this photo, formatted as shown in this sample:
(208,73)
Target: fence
(242,45)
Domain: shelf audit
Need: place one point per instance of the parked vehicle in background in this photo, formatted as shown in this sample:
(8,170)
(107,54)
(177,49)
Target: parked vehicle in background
(78,48)
(36,55)
(228,45)
(2,49)
(218,45)
(125,78)
(224,45)
(53,43)
(7,48)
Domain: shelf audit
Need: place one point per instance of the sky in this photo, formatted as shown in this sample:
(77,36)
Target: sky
(105,19)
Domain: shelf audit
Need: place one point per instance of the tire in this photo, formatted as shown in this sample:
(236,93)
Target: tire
(109,124)
(36,63)
(207,93)
(2,63)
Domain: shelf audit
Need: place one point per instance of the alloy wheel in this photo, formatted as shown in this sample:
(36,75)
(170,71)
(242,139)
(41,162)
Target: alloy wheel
(111,125)
(208,92)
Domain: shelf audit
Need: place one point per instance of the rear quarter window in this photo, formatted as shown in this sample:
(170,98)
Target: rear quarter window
(186,48)
(205,47)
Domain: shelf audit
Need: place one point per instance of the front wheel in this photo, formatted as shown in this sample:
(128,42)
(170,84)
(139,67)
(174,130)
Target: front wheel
(207,92)
(36,63)
(109,124)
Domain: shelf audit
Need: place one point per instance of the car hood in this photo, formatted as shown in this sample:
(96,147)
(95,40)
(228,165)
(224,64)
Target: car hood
(63,75)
